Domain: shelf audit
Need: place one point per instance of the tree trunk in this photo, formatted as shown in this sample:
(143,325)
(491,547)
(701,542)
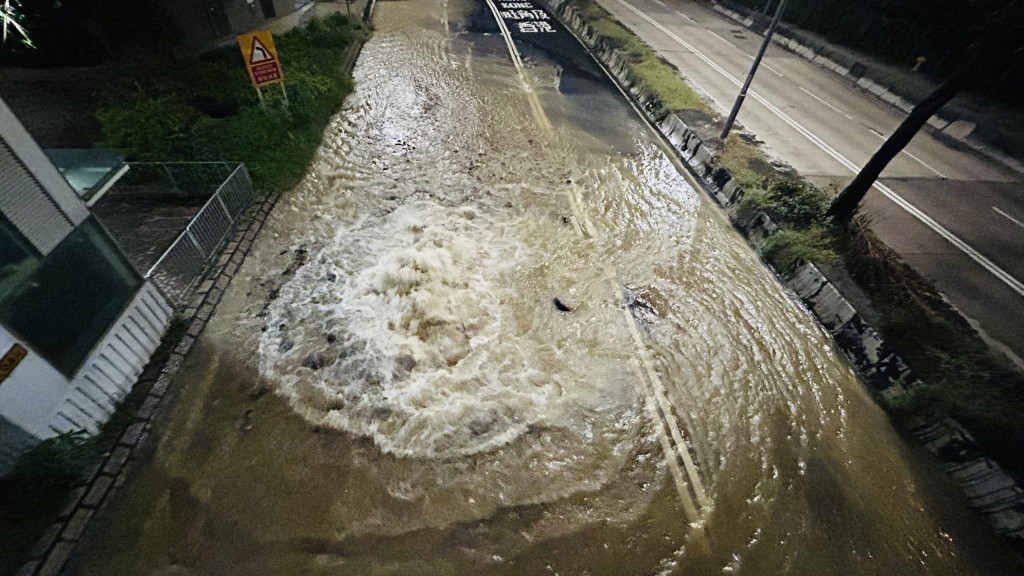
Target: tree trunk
(845,204)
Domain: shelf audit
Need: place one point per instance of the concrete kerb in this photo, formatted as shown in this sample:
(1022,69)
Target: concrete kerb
(879,367)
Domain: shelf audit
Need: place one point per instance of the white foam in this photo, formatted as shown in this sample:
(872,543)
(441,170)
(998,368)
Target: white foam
(436,354)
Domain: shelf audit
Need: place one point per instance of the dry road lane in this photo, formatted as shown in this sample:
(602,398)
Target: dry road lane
(826,129)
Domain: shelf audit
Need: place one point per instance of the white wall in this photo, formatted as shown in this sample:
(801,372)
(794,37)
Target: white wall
(42,402)
(30,395)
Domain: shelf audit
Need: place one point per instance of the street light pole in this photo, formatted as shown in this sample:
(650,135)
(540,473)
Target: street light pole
(753,69)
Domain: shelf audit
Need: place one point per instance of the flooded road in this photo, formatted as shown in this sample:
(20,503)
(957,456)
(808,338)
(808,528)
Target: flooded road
(495,331)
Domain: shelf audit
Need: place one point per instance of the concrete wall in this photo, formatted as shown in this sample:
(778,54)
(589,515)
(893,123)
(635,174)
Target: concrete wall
(988,487)
(205,23)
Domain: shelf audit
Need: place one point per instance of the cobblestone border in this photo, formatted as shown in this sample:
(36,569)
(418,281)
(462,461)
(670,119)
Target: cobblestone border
(51,553)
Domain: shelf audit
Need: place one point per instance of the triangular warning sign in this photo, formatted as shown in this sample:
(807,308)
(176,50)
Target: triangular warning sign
(259,52)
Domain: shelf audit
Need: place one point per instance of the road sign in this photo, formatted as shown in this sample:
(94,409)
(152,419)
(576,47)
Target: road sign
(261,58)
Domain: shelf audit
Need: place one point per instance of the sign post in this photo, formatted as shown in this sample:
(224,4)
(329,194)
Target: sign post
(262,61)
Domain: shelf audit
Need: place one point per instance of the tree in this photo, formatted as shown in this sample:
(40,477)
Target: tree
(992,57)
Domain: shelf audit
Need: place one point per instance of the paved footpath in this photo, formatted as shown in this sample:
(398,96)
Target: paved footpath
(953,215)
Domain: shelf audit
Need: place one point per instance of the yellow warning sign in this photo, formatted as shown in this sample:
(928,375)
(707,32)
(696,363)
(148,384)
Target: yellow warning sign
(261,58)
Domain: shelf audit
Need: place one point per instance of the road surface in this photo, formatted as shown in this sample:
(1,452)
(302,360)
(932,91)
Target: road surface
(826,128)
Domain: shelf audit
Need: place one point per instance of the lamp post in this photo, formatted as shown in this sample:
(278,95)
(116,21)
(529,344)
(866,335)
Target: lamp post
(753,69)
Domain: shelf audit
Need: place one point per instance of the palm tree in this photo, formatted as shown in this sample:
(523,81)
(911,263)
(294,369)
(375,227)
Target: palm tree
(9,25)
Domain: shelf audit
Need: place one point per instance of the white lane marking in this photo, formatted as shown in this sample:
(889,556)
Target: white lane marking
(915,158)
(1014,284)
(508,38)
(1010,218)
(926,165)
(769,67)
(659,2)
(685,16)
(763,63)
(723,40)
(815,96)
(653,382)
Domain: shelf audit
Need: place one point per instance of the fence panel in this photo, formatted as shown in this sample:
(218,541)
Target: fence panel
(193,179)
(189,258)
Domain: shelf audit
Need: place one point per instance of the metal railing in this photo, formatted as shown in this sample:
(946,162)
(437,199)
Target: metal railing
(188,259)
(186,179)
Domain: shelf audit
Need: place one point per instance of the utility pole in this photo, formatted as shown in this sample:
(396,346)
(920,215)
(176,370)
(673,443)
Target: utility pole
(753,69)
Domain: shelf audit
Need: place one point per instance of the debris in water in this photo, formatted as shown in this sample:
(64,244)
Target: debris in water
(259,392)
(331,338)
(331,277)
(315,361)
(297,261)
(560,306)
(405,363)
(566,220)
(247,420)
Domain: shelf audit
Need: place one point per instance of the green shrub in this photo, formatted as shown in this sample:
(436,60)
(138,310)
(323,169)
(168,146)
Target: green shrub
(789,248)
(205,108)
(149,128)
(788,201)
(58,462)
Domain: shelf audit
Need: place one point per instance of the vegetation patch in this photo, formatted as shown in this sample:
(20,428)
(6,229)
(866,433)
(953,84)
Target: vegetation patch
(648,66)
(745,162)
(205,109)
(960,376)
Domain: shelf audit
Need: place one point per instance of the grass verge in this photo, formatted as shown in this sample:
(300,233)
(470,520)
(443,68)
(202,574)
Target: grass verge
(960,375)
(646,64)
(204,108)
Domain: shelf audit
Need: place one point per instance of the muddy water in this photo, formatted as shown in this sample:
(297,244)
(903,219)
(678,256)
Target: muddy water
(390,388)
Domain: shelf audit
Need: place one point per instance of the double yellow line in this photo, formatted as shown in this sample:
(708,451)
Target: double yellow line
(517,60)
